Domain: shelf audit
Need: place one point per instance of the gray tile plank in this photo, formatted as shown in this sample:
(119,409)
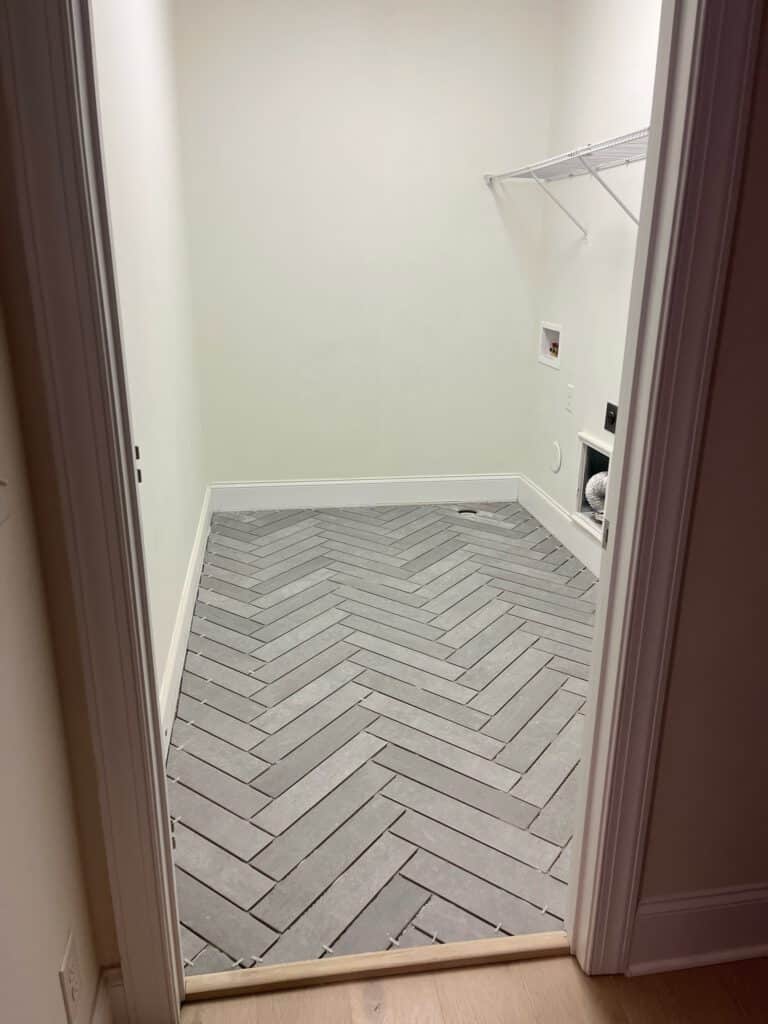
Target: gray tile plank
(280,715)
(214,784)
(407,657)
(309,880)
(524,705)
(383,919)
(465,586)
(210,961)
(554,765)
(480,859)
(300,839)
(469,627)
(221,634)
(191,944)
(555,823)
(306,672)
(405,605)
(433,725)
(570,668)
(414,695)
(495,661)
(488,902)
(313,751)
(317,783)
(218,697)
(216,752)
(289,641)
(444,753)
(504,687)
(445,922)
(215,823)
(232,930)
(301,654)
(415,677)
(399,622)
(564,651)
(509,839)
(219,870)
(485,798)
(561,869)
(534,738)
(225,727)
(484,642)
(326,919)
(311,722)
(229,678)
(397,636)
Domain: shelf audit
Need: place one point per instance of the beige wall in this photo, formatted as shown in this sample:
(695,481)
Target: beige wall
(42,891)
(709,825)
(138,126)
(360,310)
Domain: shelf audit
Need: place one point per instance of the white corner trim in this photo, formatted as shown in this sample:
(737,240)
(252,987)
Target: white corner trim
(553,517)
(174,663)
(396,490)
(705,927)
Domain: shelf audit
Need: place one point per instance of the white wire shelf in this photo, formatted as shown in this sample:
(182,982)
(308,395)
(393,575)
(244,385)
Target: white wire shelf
(592,160)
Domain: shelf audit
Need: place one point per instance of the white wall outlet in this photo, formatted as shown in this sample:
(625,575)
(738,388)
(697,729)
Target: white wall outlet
(569,398)
(71,983)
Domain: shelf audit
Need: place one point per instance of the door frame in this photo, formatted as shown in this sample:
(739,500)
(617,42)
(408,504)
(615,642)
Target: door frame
(75,387)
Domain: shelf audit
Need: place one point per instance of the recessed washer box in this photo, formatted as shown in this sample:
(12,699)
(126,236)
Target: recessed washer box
(549,345)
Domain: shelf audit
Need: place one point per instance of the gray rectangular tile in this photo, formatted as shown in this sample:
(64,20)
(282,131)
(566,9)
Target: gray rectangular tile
(407,657)
(460,787)
(301,654)
(484,642)
(556,821)
(445,922)
(227,728)
(221,634)
(216,752)
(298,799)
(311,722)
(488,902)
(415,677)
(340,905)
(219,870)
(214,784)
(535,737)
(238,682)
(314,751)
(432,725)
(509,839)
(300,839)
(231,929)
(419,698)
(383,919)
(444,753)
(554,765)
(302,700)
(215,823)
(524,705)
(504,687)
(309,880)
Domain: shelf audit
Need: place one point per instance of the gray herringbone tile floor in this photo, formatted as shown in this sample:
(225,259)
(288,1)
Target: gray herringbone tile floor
(378,732)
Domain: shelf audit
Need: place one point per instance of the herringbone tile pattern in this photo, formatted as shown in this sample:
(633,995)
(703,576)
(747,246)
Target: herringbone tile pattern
(378,732)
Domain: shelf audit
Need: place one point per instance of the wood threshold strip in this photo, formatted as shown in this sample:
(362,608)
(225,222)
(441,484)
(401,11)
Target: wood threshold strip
(375,965)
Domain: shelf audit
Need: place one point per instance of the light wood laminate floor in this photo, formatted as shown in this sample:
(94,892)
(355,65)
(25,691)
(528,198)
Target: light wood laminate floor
(535,992)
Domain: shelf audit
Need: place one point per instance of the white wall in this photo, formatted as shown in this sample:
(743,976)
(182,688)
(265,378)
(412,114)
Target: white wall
(603,85)
(139,137)
(42,891)
(360,310)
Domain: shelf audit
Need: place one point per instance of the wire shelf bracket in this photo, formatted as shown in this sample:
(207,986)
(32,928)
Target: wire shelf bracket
(589,160)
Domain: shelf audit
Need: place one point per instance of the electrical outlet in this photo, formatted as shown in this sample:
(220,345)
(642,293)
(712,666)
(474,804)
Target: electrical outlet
(569,398)
(69,976)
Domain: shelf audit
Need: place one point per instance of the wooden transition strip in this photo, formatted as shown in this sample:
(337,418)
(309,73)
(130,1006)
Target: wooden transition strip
(374,965)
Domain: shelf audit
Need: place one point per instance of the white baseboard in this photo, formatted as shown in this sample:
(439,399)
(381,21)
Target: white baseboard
(109,1006)
(398,490)
(174,664)
(559,522)
(706,927)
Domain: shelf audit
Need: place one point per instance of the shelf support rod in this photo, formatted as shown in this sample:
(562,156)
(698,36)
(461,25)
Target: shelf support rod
(554,199)
(608,189)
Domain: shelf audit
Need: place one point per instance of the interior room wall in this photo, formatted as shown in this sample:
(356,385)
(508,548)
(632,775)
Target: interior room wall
(42,889)
(360,309)
(603,84)
(708,828)
(139,140)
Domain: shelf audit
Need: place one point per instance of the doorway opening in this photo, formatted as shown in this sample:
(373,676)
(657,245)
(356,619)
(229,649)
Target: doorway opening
(335,297)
